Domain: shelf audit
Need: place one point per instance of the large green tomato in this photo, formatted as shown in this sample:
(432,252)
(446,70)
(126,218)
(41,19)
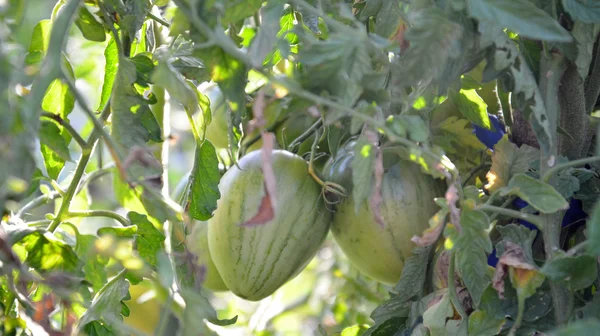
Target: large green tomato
(407,205)
(256,258)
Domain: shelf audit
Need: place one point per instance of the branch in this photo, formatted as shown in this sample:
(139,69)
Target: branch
(67,126)
(556,169)
(309,132)
(98,213)
(534,219)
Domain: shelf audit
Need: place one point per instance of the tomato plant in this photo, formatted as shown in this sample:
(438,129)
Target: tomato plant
(449,146)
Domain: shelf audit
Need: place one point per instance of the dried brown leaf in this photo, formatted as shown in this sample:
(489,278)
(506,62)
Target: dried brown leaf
(265,212)
(513,256)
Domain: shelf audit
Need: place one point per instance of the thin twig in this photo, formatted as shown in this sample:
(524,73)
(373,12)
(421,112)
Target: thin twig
(67,126)
(556,169)
(159,20)
(534,219)
(98,213)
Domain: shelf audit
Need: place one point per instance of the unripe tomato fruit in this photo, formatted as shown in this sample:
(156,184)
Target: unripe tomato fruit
(407,205)
(256,259)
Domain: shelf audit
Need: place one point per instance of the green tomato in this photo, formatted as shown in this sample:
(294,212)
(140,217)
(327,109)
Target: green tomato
(256,259)
(407,205)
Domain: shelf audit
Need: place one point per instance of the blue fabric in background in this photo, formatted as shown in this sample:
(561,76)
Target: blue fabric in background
(490,138)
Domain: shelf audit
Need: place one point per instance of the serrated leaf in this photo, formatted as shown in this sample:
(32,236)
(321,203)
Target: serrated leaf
(520,16)
(205,176)
(483,324)
(107,303)
(148,239)
(541,196)
(58,99)
(89,27)
(144,67)
(453,132)
(436,316)
(50,137)
(474,108)
(38,44)
(264,41)
(94,266)
(363,166)
(46,253)
(587,11)
(585,35)
(95,328)
(111,62)
(526,93)
(577,272)
(236,10)
(473,245)
(507,161)
(519,235)
(166,76)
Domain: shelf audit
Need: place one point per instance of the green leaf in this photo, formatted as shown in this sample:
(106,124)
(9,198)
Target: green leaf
(95,328)
(519,235)
(585,35)
(144,68)
(46,253)
(89,27)
(587,11)
(94,265)
(264,41)
(111,63)
(474,108)
(473,245)
(526,92)
(435,41)
(180,23)
(509,160)
(205,176)
(541,196)
(50,137)
(436,316)
(525,281)
(585,327)
(356,330)
(593,231)
(363,166)
(483,324)
(58,99)
(388,19)
(166,76)
(134,16)
(237,10)
(577,272)
(229,73)
(521,17)
(38,44)
(414,274)
(148,240)
(107,304)
(198,308)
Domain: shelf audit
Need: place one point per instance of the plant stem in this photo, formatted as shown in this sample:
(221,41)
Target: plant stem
(309,132)
(98,213)
(520,313)
(475,171)
(552,69)
(556,169)
(592,83)
(159,20)
(67,126)
(534,219)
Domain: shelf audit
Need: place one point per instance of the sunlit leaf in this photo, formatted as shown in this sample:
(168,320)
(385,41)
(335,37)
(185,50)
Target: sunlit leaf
(46,253)
(148,239)
(89,27)
(474,108)
(205,176)
(540,195)
(507,161)
(111,59)
(521,16)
